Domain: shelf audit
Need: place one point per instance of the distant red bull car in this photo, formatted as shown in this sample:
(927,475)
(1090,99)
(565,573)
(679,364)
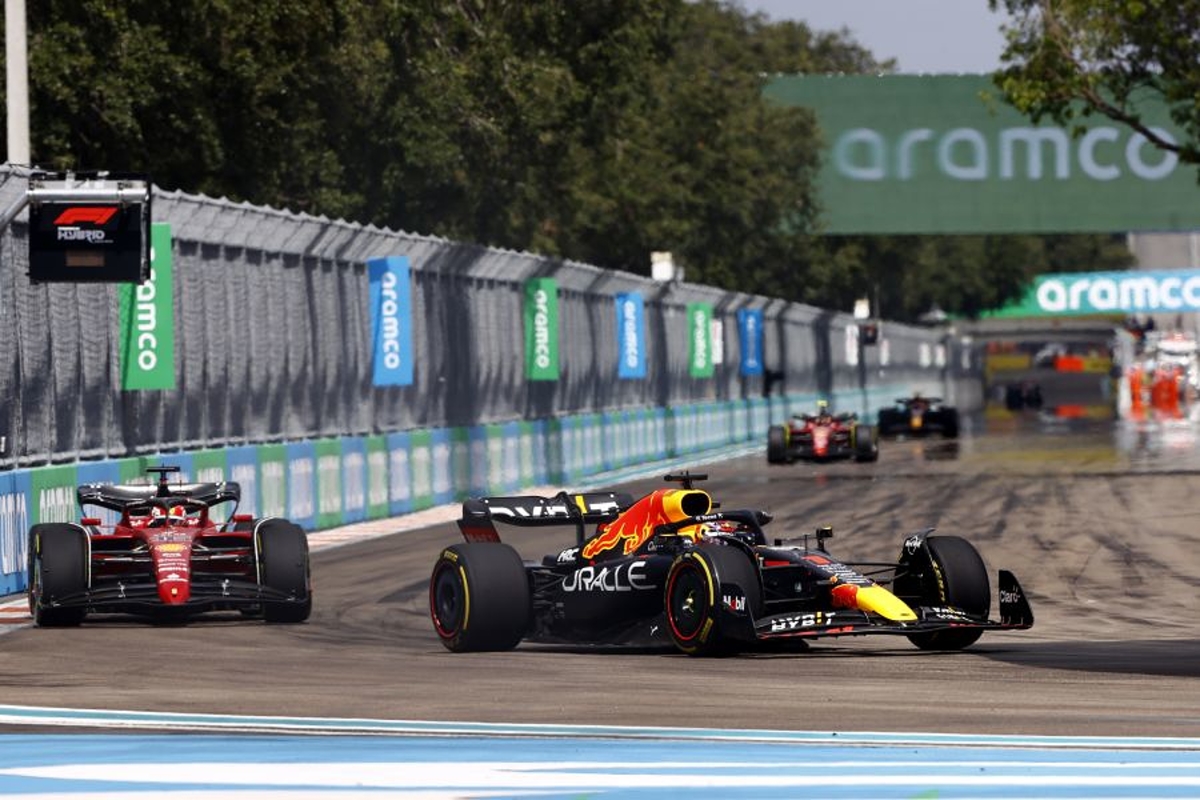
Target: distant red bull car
(167,557)
(668,569)
(822,437)
(918,416)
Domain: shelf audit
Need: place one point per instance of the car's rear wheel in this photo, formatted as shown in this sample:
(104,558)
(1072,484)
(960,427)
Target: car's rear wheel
(479,598)
(58,570)
(712,596)
(283,562)
(776,445)
(950,429)
(1014,398)
(954,575)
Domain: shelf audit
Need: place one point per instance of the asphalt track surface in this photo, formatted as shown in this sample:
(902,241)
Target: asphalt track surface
(1098,520)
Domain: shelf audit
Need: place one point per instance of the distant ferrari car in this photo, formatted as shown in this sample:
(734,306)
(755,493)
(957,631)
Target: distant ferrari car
(919,416)
(166,557)
(668,569)
(820,437)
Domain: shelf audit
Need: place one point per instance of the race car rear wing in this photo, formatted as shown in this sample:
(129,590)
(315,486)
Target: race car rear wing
(588,508)
(116,497)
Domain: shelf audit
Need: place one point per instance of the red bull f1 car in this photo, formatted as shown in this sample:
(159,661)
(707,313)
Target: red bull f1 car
(671,568)
(822,437)
(919,416)
(167,557)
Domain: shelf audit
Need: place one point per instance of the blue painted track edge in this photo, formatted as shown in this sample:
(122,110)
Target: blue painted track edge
(104,718)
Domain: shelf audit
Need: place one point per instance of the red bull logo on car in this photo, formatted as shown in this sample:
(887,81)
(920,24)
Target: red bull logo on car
(628,532)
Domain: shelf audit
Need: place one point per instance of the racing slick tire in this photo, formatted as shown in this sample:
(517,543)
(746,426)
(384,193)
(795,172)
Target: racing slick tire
(58,568)
(776,445)
(1014,398)
(866,443)
(712,597)
(959,578)
(950,426)
(283,564)
(891,422)
(479,597)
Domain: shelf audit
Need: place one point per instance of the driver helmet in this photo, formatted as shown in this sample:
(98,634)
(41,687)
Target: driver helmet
(173,515)
(718,527)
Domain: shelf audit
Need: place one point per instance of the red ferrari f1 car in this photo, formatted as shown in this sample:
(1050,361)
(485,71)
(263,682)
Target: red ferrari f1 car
(668,568)
(166,557)
(821,437)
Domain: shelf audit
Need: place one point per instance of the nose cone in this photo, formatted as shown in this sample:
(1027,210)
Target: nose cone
(173,590)
(878,600)
(172,569)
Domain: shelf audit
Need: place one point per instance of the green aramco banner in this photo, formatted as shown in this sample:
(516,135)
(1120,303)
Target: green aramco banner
(933,154)
(700,350)
(1132,292)
(541,329)
(147,321)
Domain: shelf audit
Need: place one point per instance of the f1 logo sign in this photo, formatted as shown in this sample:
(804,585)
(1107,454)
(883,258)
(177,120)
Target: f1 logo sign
(97,215)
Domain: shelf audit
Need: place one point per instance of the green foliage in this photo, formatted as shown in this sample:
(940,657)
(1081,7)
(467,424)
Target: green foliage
(598,131)
(246,100)
(1069,59)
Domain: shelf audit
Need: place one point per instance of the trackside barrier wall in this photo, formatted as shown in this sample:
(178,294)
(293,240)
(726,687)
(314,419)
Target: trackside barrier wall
(273,342)
(330,482)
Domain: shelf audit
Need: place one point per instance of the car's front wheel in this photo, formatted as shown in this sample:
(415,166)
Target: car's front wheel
(953,575)
(866,443)
(777,445)
(282,548)
(712,591)
(58,570)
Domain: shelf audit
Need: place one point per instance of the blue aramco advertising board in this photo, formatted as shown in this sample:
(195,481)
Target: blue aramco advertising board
(391,321)
(631,336)
(750,334)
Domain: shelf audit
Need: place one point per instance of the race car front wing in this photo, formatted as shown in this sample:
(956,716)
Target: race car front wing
(1015,614)
(142,597)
